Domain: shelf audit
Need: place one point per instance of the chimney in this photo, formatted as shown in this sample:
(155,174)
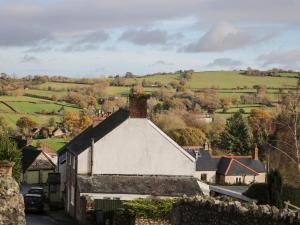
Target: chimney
(138,105)
(255,152)
(197,154)
(6,168)
(208,148)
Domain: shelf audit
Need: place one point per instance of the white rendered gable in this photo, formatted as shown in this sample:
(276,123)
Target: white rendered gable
(138,147)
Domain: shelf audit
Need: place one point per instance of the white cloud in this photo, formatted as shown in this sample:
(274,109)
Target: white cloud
(145,37)
(29,59)
(286,59)
(162,63)
(225,62)
(224,36)
(89,41)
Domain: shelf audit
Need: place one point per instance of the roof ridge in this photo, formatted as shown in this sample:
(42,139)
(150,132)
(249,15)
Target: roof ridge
(247,167)
(229,166)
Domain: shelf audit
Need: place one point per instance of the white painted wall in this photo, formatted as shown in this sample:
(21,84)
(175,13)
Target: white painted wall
(260,178)
(137,146)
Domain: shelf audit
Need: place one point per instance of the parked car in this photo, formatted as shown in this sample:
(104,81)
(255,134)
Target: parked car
(34,202)
(37,190)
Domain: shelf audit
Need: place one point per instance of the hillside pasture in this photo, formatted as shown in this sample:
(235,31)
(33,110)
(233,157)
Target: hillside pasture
(46,93)
(53,143)
(12,118)
(233,79)
(50,86)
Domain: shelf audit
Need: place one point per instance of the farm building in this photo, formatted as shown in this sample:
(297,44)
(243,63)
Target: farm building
(36,165)
(125,157)
(229,169)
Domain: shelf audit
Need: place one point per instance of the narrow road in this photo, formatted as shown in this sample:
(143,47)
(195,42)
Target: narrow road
(41,219)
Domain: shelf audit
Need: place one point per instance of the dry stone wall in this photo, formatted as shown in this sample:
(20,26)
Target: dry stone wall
(145,221)
(11,202)
(210,211)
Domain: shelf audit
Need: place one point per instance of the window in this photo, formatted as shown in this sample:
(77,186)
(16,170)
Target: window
(204,177)
(238,180)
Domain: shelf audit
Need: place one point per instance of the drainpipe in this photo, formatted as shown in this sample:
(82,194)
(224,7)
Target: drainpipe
(92,156)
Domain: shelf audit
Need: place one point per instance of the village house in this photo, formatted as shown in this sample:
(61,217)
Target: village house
(60,132)
(229,169)
(125,157)
(36,165)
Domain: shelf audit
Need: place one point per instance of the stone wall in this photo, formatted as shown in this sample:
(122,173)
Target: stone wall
(11,202)
(145,221)
(210,211)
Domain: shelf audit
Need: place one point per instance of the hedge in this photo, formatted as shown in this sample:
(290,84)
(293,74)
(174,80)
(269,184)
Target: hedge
(150,208)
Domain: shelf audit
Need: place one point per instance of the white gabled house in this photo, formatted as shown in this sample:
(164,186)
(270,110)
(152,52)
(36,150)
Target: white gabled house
(125,157)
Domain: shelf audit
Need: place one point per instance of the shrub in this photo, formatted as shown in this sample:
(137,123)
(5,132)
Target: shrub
(150,208)
(275,188)
(9,151)
(259,192)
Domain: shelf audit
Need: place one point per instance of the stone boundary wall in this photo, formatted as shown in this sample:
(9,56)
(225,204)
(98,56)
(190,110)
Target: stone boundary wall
(210,211)
(145,221)
(11,202)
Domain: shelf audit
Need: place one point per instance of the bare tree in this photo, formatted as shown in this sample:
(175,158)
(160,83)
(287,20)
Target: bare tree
(288,123)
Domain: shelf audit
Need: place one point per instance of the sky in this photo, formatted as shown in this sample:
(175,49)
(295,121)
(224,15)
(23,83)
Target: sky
(91,38)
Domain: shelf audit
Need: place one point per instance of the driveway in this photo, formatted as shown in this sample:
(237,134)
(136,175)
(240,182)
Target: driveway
(37,219)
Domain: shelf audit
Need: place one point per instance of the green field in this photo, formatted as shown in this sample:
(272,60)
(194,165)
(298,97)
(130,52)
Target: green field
(226,83)
(231,79)
(46,93)
(11,118)
(60,86)
(53,143)
(38,107)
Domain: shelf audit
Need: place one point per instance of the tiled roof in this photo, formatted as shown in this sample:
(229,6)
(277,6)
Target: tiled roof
(29,154)
(143,185)
(226,165)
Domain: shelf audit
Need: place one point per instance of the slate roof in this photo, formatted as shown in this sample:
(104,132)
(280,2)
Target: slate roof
(143,185)
(82,141)
(30,159)
(227,165)
(29,154)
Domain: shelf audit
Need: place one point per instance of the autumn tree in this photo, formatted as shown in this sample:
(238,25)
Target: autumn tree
(261,123)
(168,121)
(25,125)
(236,137)
(226,103)
(85,121)
(71,120)
(188,136)
(286,140)
(4,128)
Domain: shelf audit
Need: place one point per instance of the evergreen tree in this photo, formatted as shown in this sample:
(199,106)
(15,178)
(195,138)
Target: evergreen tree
(275,188)
(9,151)
(236,136)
